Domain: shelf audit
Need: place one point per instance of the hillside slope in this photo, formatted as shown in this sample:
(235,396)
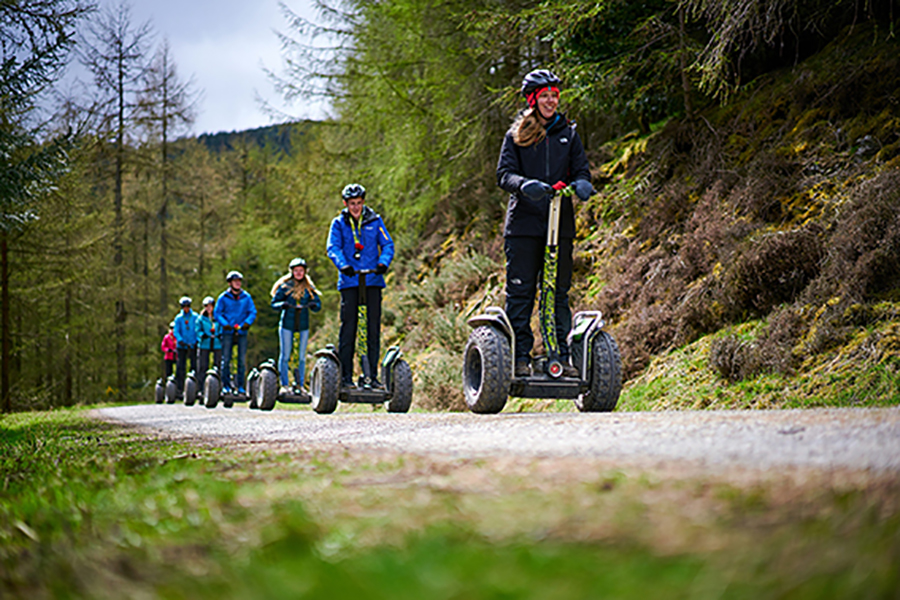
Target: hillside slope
(748,258)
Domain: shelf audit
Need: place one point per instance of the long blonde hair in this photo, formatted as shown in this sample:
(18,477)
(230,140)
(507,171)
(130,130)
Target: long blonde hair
(299,287)
(527,129)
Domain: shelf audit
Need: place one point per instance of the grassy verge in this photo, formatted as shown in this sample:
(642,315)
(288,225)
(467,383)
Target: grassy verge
(91,510)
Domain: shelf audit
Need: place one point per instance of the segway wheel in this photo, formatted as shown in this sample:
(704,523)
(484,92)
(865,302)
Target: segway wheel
(228,399)
(268,389)
(605,373)
(211,390)
(325,385)
(486,370)
(190,391)
(171,392)
(253,389)
(160,392)
(402,388)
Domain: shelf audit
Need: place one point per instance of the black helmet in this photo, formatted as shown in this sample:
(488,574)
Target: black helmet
(353,190)
(185,301)
(297,262)
(538,79)
(234,275)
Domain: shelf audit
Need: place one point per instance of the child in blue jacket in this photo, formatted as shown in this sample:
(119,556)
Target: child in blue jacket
(358,240)
(186,341)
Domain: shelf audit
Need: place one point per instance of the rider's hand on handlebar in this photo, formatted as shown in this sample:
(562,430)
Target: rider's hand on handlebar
(348,271)
(583,189)
(536,190)
(381,269)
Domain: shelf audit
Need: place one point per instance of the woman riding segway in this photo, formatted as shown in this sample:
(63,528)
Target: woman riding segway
(295,295)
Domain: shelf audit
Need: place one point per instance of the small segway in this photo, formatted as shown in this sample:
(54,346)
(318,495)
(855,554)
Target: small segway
(267,390)
(160,391)
(489,371)
(171,393)
(396,376)
(190,389)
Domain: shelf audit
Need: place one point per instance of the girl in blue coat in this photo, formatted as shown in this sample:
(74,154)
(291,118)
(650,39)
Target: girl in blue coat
(358,240)
(294,295)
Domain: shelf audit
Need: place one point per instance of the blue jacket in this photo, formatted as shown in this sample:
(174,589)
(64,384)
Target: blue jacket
(186,328)
(207,333)
(231,311)
(378,247)
(293,319)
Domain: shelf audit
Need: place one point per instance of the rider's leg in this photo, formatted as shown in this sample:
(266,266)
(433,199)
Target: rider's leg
(347,340)
(285,341)
(524,260)
(180,367)
(373,329)
(301,357)
(563,283)
(241,342)
(225,370)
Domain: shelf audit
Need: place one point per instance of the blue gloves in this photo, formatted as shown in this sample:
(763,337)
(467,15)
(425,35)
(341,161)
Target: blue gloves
(535,190)
(583,189)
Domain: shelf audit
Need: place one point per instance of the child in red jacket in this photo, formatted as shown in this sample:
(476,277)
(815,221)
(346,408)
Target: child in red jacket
(169,346)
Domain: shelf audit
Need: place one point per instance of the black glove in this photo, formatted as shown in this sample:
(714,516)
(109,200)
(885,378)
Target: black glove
(381,269)
(583,189)
(535,190)
(348,271)
(245,326)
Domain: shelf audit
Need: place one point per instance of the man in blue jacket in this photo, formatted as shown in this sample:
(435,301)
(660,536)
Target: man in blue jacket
(358,240)
(234,313)
(185,332)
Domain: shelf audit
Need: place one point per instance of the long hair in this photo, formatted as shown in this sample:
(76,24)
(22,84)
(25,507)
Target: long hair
(527,129)
(298,286)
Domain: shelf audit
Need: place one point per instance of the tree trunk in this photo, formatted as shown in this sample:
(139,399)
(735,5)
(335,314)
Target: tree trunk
(121,372)
(4,322)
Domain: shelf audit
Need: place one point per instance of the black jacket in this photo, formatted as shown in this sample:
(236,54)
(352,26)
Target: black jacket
(558,157)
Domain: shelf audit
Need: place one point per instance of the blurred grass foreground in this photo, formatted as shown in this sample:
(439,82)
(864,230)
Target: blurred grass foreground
(92,510)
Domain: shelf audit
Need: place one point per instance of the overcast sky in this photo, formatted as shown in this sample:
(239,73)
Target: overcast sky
(224,45)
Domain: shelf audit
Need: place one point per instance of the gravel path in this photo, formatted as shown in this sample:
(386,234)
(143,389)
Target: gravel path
(857,439)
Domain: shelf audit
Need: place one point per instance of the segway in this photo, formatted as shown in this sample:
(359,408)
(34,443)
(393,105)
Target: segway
(190,389)
(160,391)
(171,392)
(489,376)
(396,376)
(265,392)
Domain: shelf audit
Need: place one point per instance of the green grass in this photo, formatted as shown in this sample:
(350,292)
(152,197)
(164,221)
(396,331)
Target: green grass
(91,510)
(851,374)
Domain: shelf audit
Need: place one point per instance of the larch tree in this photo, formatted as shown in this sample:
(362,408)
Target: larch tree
(115,54)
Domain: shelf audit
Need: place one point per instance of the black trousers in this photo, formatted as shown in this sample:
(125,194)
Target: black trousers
(203,355)
(347,342)
(524,271)
(184,353)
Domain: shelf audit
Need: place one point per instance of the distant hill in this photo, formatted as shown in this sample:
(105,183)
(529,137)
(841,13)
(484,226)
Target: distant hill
(280,137)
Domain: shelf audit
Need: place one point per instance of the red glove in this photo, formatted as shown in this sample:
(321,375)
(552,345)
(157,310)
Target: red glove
(559,185)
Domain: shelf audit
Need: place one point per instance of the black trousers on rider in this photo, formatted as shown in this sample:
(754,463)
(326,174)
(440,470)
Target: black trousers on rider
(184,353)
(203,361)
(347,342)
(524,271)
